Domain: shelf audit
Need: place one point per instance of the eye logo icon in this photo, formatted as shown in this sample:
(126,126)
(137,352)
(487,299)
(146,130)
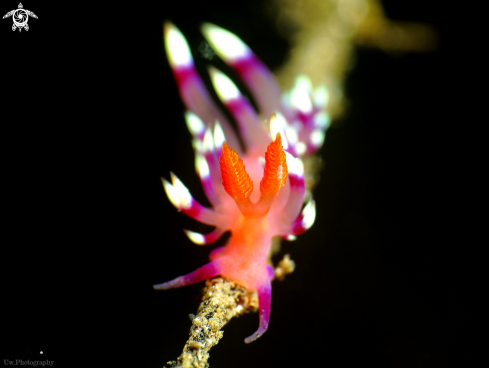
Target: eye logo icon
(20,17)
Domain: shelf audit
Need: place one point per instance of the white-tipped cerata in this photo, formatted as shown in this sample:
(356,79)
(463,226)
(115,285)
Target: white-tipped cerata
(289,237)
(226,90)
(194,124)
(176,47)
(309,213)
(195,237)
(317,137)
(202,167)
(277,125)
(171,193)
(227,45)
(208,144)
(292,135)
(321,97)
(184,197)
(294,165)
(219,137)
(322,120)
(299,97)
(300,148)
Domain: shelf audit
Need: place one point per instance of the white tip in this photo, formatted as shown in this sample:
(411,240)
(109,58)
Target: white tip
(202,167)
(194,124)
(262,160)
(176,47)
(208,143)
(303,82)
(195,237)
(294,165)
(277,125)
(299,97)
(321,97)
(184,197)
(227,45)
(290,237)
(225,88)
(309,213)
(300,148)
(171,193)
(219,137)
(291,134)
(322,120)
(317,137)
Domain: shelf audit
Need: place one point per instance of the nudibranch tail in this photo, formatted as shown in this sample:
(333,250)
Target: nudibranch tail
(264,304)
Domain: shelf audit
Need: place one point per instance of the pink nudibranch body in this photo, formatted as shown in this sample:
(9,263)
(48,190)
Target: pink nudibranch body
(231,176)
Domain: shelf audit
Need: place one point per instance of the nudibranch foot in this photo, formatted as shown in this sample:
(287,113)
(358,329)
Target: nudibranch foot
(208,271)
(264,302)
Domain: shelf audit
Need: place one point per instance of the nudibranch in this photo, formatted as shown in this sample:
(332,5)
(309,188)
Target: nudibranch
(230,173)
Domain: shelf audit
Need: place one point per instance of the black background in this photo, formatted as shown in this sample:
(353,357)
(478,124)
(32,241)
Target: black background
(91,120)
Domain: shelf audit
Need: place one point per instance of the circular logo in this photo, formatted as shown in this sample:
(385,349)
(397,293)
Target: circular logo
(20,17)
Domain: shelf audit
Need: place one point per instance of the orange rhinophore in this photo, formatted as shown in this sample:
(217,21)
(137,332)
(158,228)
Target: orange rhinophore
(275,173)
(235,179)
(239,186)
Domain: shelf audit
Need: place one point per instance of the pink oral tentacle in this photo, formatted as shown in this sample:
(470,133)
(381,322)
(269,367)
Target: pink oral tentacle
(208,271)
(217,253)
(264,303)
(198,100)
(260,81)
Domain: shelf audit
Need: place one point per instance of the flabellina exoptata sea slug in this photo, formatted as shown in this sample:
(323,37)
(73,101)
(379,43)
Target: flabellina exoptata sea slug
(256,192)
